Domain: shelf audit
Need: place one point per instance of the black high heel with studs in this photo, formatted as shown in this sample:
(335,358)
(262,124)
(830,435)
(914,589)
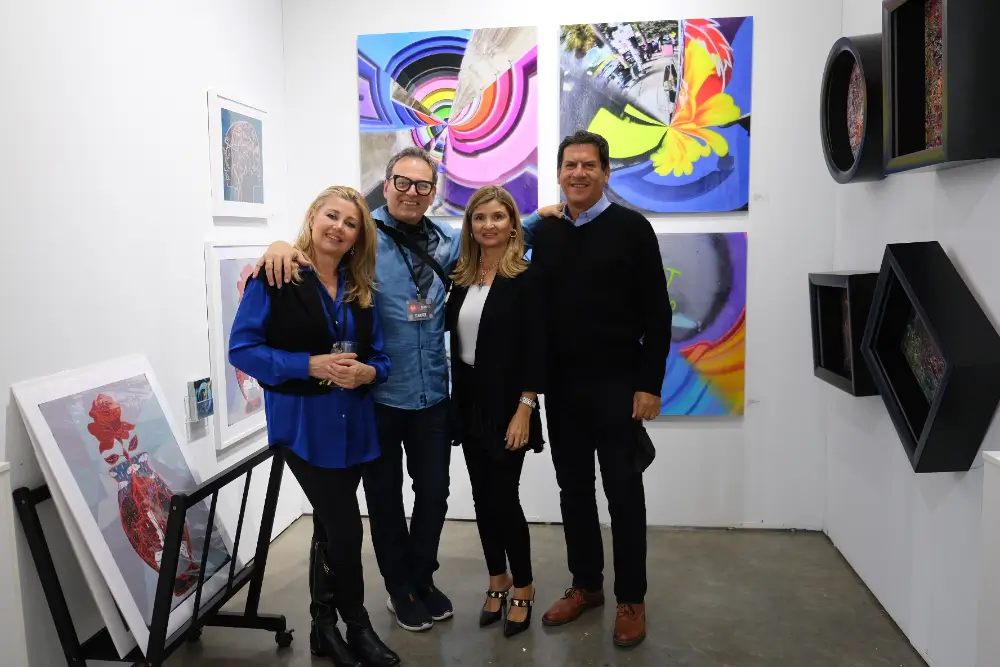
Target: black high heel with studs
(490,617)
(511,628)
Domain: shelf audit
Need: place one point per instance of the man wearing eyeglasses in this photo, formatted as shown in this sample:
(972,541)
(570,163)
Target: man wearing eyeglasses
(415,257)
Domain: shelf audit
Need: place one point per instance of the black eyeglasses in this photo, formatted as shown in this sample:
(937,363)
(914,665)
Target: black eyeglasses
(402,183)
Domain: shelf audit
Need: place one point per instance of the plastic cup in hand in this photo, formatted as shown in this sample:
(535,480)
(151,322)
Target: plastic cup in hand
(344,347)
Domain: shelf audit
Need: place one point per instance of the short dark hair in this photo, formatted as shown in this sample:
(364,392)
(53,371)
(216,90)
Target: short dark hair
(412,151)
(582,137)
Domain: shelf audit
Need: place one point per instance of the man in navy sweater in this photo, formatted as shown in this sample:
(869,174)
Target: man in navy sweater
(609,320)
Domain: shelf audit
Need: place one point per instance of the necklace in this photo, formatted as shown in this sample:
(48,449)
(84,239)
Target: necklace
(483,271)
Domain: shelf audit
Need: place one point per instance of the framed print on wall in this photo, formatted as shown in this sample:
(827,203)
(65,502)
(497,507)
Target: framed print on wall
(468,97)
(707,281)
(672,98)
(239,399)
(110,447)
(238,148)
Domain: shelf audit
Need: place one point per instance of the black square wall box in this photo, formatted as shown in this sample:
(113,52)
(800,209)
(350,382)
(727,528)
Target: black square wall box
(839,303)
(934,356)
(939,100)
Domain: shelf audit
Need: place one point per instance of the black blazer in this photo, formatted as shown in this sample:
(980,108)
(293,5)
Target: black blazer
(298,323)
(510,359)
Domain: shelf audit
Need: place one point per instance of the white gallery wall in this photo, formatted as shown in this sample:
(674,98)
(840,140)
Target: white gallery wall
(765,469)
(914,539)
(105,208)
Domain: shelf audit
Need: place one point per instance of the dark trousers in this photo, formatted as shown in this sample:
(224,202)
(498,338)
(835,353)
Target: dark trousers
(333,493)
(408,558)
(574,442)
(503,530)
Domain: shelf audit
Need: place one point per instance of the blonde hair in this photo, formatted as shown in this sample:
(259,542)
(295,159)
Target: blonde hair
(512,263)
(361,262)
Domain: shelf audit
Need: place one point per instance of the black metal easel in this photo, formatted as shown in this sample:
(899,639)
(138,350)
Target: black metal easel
(100,646)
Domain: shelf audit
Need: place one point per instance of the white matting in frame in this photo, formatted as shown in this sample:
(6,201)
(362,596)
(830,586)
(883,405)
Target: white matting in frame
(239,146)
(239,399)
(108,444)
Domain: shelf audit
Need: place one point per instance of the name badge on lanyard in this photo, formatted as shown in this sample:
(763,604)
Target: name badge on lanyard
(419,309)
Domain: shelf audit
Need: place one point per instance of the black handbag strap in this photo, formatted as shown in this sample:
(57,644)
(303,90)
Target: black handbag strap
(402,239)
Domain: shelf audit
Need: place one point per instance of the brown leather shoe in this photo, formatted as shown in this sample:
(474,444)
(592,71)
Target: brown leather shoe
(630,625)
(574,602)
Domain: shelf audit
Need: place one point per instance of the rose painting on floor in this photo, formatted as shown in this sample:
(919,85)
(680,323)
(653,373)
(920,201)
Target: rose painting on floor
(123,456)
(114,455)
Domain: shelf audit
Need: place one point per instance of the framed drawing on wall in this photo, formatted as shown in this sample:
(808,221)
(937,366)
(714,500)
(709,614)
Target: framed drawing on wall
(239,399)
(111,449)
(237,149)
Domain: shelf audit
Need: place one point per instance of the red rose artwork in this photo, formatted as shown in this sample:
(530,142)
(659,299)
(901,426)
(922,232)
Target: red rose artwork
(143,496)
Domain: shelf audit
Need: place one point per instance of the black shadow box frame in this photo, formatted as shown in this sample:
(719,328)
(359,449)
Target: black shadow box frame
(934,356)
(943,45)
(839,303)
(858,56)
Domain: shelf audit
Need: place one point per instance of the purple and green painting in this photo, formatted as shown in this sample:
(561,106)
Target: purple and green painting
(706,278)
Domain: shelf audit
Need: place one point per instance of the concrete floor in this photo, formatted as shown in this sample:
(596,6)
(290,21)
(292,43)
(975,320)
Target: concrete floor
(717,599)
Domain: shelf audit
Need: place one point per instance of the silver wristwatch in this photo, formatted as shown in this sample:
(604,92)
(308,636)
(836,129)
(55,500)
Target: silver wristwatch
(530,403)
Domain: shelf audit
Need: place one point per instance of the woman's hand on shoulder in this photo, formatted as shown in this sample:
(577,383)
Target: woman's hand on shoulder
(551,211)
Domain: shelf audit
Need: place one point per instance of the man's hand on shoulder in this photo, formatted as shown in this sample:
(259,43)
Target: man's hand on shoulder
(279,263)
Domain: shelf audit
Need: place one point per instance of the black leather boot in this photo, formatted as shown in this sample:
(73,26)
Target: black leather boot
(364,642)
(325,639)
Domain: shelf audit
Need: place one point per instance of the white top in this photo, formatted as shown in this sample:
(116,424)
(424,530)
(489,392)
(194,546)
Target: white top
(468,321)
(992,457)
(4,467)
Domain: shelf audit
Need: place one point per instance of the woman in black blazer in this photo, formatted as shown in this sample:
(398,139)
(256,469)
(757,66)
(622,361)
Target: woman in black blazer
(498,367)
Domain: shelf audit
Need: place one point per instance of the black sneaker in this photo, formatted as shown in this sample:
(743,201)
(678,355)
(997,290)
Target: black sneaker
(437,603)
(411,614)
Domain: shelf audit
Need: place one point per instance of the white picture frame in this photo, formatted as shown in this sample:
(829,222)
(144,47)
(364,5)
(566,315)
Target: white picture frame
(239,146)
(50,407)
(235,392)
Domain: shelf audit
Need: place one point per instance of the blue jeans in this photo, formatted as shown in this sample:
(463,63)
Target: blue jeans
(407,559)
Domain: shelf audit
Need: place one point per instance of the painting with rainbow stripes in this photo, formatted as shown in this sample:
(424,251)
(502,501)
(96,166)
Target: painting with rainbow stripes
(469,97)
(707,280)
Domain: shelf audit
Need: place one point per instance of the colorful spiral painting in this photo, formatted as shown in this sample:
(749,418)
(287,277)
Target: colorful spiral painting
(707,280)
(673,100)
(469,97)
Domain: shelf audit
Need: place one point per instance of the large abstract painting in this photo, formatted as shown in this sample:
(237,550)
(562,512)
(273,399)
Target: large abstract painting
(240,401)
(237,152)
(116,458)
(673,100)
(707,278)
(469,97)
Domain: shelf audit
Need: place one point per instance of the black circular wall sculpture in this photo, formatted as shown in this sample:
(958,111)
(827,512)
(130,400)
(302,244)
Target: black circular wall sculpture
(851,109)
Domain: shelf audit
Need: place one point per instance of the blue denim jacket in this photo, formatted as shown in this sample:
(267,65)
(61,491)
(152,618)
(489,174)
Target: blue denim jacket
(418,376)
